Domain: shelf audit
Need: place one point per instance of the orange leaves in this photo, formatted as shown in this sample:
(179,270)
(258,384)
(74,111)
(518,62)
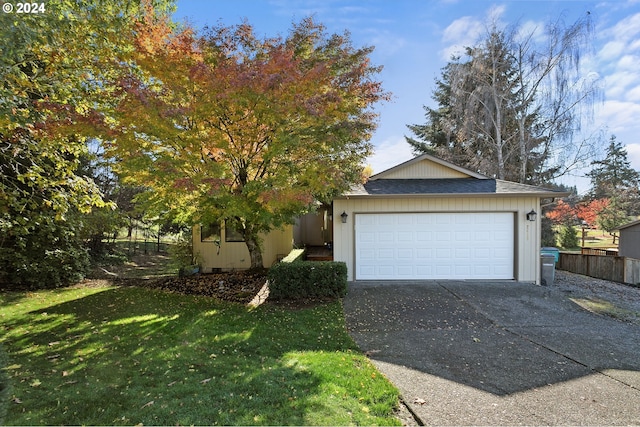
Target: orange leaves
(562,214)
(589,211)
(246,128)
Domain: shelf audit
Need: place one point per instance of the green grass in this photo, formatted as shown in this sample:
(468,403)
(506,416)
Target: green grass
(126,356)
(607,308)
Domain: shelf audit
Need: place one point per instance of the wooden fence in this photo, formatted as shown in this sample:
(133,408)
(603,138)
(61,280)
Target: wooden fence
(614,268)
(597,251)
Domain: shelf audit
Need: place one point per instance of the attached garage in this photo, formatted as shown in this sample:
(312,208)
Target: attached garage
(447,245)
(428,219)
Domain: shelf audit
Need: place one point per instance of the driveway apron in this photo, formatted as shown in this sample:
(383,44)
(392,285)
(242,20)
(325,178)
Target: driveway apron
(496,353)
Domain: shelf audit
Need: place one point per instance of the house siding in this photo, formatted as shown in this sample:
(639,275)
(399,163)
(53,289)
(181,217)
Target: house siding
(235,255)
(526,239)
(630,242)
(425,170)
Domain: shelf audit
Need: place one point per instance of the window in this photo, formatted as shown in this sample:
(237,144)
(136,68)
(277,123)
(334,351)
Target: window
(231,234)
(210,233)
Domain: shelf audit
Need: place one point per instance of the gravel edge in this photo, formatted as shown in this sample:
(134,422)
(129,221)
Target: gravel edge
(621,296)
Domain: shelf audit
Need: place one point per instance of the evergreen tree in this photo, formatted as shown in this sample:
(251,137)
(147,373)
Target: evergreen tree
(511,107)
(613,175)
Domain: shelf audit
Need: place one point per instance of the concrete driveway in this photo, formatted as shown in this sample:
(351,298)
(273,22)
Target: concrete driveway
(470,353)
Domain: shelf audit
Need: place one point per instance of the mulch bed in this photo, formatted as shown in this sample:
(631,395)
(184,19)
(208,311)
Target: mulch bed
(235,286)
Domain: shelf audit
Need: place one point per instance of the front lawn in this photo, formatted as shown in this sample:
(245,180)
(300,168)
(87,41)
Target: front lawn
(128,355)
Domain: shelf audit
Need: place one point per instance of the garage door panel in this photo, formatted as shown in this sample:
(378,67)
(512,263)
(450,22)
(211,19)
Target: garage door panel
(424,236)
(435,246)
(385,254)
(367,237)
(385,237)
(367,254)
(424,253)
(406,236)
(443,219)
(463,236)
(443,236)
(406,254)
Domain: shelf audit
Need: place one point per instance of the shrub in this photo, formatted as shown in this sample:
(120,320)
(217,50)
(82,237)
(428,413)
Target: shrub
(569,237)
(308,279)
(49,255)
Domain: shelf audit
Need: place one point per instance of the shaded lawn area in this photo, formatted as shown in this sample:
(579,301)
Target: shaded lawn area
(125,356)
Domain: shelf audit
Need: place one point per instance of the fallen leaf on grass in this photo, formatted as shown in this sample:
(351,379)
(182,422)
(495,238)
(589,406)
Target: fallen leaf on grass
(16,400)
(205,381)
(147,404)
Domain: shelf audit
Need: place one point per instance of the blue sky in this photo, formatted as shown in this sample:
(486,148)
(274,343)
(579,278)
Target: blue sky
(414,39)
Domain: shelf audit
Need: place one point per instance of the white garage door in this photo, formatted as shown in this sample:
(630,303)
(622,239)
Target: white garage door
(405,246)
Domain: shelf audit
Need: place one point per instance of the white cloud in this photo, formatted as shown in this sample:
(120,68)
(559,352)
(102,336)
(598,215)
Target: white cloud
(459,34)
(389,153)
(627,29)
(617,84)
(463,28)
(634,94)
(619,116)
(495,13)
(532,30)
(629,62)
(633,152)
(611,50)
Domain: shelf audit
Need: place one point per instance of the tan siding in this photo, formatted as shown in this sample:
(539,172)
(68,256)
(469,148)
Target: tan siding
(526,239)
(425,169)
(235,255)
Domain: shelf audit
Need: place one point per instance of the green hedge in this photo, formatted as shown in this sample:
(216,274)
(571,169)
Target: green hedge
(308,279)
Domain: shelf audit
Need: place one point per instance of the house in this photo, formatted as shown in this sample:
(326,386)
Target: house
(423,219)
(220,248)
(430,219)
(629,243)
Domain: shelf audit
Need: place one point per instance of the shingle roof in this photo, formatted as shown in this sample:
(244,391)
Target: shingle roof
(448,186)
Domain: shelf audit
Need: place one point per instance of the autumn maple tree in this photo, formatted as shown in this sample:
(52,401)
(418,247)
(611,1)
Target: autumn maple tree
(226,126)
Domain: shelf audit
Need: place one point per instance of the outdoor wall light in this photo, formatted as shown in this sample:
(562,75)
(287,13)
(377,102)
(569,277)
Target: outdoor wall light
(531,216)
(344,216)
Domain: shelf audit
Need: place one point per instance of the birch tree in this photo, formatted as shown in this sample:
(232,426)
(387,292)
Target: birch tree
(513,106)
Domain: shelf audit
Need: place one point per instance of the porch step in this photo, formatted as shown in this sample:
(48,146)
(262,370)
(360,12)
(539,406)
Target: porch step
(319,253)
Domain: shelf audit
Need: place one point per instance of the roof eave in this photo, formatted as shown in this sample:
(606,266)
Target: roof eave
(629,224)
(541,195)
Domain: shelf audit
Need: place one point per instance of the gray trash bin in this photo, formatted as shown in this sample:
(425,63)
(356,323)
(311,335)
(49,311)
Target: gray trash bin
(551,251)
(548,265)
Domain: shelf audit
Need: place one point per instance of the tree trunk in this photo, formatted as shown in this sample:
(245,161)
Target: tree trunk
(255,251)
(498,142)
(524,152)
